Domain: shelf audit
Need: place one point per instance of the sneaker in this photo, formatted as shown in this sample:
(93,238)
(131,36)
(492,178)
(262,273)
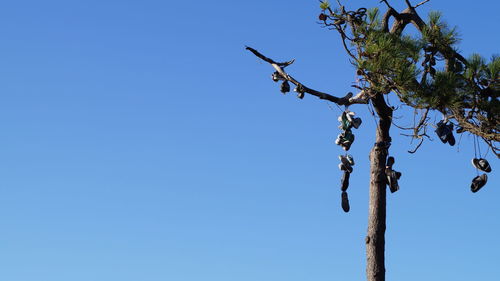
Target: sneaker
(348,136)
(478,182)
(451,139)
(345,202)
(350,115)
(481,164)
(346,160)
(339,139)
(442,131)
(346,145)
(390,161)
(356,122)
(350,159)
(345,181)
(346,168)
(285,87)
(345,124)
(392,180)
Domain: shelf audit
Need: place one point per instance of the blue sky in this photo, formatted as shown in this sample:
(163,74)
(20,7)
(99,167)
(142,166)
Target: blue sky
(140,141)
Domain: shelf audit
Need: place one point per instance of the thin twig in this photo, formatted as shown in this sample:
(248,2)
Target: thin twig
(417,147)
(421,3)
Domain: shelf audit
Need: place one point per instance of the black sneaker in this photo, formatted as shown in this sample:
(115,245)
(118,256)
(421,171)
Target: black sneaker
(346,168)
(356,122)
(345,202)
(346,160)
(481,164)
(350,159)
(392,180)
(451,139)
(346,145)
(442,131)
(478,182)
(390,162)
(345,181)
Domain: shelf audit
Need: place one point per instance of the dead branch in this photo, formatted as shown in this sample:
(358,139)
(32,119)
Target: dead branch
(360,98)
(417,147)
(421,3)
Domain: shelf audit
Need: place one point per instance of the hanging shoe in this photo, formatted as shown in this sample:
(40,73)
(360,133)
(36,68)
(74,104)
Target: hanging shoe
(478,182)
(442,131)
(339,139)
(346,160)
(445,132)
(346,168)
(345,202)
(350,159)
(390,162)
(348,136)
(451,139)
(481,164)
(349,115)
(392,179)
(345,181)
(356,122)
(344,122)
(346,146)
(285,87)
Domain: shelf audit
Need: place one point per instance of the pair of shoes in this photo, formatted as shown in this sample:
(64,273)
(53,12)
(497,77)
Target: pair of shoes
(392,179)
(348,121)
(345,202)
(445,132)
(346,163)
(391,175)
(345,139)
(478,182)
(481,164)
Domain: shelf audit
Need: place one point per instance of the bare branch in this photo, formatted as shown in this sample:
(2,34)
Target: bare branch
(266,59)
(279,67)
(360,98)
(387,3)
(421,3)
(417,147)
(408,4)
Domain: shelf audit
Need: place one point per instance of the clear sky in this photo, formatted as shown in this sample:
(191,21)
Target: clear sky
(140,141)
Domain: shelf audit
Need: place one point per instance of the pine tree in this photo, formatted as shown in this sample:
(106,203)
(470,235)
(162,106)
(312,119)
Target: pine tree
(425,72)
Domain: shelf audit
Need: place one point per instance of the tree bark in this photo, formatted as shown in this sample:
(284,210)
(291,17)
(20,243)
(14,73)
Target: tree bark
(375,239)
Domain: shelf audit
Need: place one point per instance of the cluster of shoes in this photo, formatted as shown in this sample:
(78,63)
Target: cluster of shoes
(347,122)
(346,163)
(392,176)
(479,181)
(444,130)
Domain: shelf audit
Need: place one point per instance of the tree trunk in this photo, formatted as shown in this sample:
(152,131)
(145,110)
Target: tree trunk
(375,239)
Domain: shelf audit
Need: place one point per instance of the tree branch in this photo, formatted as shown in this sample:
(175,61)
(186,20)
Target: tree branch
(360,98)
(421,3)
